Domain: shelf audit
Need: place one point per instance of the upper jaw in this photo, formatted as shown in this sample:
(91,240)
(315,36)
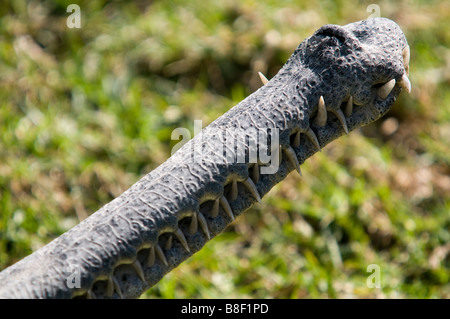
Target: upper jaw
(368,90)
(369,100)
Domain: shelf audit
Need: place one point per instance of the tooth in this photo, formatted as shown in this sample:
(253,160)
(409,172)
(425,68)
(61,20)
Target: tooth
(204,225)
(263,78)
(194,224)
(296,142)
(405,83)
(161,256)
(289,151)
(234,189)
(321,117)
(151,257)
(280,154)
(255,173)
(182,239)
(215,209)
(384,90)
(341,118)
(90,294)
(349,106)
(226,207)
(313,138)
(406,55)
(117,287)
(137,266)
(168,243)
(252,188)
(109,287)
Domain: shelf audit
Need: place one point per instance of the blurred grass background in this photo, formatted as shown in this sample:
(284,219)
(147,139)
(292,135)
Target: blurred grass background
(86,112)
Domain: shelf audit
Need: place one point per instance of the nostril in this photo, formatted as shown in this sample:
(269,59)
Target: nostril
(336,31)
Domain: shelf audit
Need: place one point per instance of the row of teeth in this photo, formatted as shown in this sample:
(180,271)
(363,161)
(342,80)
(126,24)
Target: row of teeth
(383,92)
(156,252)
(198,219)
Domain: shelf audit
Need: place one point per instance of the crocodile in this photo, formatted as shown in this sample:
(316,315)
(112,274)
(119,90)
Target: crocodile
(337,80)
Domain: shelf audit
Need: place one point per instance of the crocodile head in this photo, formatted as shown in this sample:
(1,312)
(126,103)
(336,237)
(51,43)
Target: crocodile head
(367,61)
(354,72)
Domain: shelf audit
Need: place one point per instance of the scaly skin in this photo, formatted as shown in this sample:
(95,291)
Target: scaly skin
(337,80)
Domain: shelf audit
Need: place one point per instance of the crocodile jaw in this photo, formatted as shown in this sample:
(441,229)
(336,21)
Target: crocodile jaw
(337,80)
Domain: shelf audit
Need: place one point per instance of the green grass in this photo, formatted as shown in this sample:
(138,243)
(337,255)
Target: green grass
(84,113)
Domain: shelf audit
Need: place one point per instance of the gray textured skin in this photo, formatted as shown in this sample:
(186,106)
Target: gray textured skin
(335,62)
